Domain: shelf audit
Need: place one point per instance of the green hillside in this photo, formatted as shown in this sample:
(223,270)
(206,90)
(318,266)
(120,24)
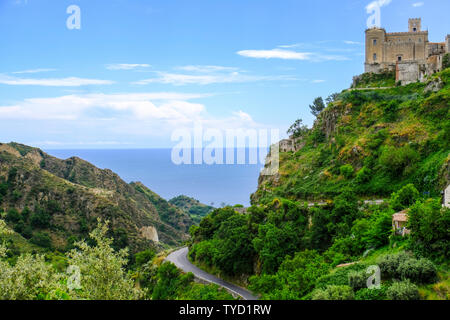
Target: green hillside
(53,202)
(390,144)
(194,208)
(373,141)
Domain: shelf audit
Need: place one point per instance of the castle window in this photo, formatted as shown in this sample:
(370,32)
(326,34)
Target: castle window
(374,42)
(415,29)
(399,58)
(374,57)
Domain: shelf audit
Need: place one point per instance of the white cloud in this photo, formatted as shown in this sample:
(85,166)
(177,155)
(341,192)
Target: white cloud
(33,71)
(75,107)
(275,54)
(121,116)
(206,69)
(290,55)
(318,81)
(352,42)
(20,2)
(52,82)
(418,4)
(126,66)
(205,79)
(287,46)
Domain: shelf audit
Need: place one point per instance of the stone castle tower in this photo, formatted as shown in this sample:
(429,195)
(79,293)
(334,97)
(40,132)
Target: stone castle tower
(409,53)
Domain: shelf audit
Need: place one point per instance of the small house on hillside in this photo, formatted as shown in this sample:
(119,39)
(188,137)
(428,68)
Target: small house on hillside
(286,145)
(399,222)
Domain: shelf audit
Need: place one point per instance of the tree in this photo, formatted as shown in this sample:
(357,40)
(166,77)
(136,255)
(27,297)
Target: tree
(332,98)
(446,61)
(405,197)
(273,244)
(295,277)
(298,129)
(317,106)
(429,224)
(143,257)
(102,270)
(334,293)
(42,239)
(29,278)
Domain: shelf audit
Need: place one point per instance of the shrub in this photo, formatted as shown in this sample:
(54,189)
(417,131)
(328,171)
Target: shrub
(13,216)
(403,290)
(143,257)
(334,293)
(397,160)
(347,171)
(390,110)
(40,219)
(404,198)
(27,232)
(3,189)
(42,239)
(340,276)
(357,280)
(389,264)
(371,294)
(419,271)
(363,175)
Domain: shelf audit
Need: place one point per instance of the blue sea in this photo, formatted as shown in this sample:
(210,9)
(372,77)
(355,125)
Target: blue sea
(211,184)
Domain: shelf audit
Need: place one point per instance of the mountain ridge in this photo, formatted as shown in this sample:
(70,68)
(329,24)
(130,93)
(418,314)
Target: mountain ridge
(77,193)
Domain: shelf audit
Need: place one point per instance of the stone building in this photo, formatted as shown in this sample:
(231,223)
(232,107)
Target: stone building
(410,53)
(291,144)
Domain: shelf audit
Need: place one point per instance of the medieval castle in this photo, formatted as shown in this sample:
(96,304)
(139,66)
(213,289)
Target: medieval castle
(410,53)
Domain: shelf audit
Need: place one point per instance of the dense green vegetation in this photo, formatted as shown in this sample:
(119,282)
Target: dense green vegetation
(377,143)
(196,210)
(392,144)
(53,203)
(94,270)
(372,141)
(290,251)
(375,80)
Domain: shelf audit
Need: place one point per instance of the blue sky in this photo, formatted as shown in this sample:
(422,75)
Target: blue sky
(137,70)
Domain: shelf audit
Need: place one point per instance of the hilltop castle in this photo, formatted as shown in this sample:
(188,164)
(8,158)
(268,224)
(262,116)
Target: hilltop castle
(410,53)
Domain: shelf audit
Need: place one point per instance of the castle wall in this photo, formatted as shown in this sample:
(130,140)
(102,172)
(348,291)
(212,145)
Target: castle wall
(375,39)
(408,72)
(407,51)
(434,64)
(434,48)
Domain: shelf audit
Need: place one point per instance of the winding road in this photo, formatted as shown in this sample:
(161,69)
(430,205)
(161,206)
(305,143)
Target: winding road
(179,258)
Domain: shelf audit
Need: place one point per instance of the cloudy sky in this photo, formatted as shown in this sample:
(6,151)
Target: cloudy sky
(139,69)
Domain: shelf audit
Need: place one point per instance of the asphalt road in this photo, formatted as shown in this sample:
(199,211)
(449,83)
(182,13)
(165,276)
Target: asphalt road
(179,258)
